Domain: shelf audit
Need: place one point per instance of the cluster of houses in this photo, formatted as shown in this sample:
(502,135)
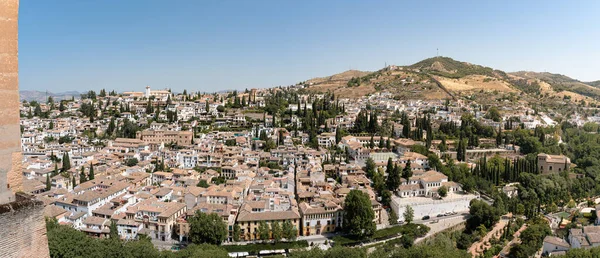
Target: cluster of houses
(154,181)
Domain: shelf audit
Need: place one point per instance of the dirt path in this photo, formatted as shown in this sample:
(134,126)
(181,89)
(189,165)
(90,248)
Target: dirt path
(477,248)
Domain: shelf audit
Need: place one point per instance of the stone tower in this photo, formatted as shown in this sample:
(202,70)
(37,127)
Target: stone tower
(10,132)
(22,226)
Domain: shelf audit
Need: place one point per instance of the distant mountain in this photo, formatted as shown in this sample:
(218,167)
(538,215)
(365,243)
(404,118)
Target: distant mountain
(42,96)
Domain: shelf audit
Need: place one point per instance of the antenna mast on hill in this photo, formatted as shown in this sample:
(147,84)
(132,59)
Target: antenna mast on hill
(437,52)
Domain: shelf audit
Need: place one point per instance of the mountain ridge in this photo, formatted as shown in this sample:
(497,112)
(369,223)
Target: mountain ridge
(42,96)
(456,77)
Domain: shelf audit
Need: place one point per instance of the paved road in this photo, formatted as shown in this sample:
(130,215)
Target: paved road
(443,224)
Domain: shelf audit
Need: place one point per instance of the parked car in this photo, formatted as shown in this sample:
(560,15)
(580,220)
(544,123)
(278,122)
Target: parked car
(426,217)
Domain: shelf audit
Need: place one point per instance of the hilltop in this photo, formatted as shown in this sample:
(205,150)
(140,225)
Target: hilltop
(443,77)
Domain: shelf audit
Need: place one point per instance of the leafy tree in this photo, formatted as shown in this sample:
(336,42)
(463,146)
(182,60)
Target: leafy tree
(531,238)
(114,233)
(131,162)
(443,147)
(370,167)
(276,231)
(359,215)
(203,184)
(409,214)
(263,230)
(386,197)
(407,240)
(236,232)
(482,213)
(442,191)
(529,144)
(493,114)
(289,231)
(202,250)
(207,228)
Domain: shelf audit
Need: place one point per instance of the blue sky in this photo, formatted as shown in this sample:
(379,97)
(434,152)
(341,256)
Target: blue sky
(215,45)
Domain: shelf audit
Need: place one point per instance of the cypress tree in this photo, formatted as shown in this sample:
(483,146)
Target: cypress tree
(48,185)
(66,162)
(82,177)
(393,179)
(91,174)
(407,171)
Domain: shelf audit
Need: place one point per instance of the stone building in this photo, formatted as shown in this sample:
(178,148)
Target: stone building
(158,137)
(549,164)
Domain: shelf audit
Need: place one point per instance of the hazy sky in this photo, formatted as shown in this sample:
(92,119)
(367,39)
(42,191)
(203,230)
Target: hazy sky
(215,45)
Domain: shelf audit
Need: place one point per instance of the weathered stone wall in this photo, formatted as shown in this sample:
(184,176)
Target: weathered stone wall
(10,147)
(22,225)
(23,228)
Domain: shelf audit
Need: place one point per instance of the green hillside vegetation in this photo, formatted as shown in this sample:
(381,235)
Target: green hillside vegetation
(450,68)
(594,84)
(561,82)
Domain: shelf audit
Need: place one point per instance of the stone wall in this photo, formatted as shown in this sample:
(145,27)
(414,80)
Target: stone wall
(23,232)
(22,224)
(10,146)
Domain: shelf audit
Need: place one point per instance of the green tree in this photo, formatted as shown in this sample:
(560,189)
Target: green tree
(236,232)
(263,230)
(55,171)
(359,215)
(48,185)
(370,167)
(482,213)
(82,176)
(289,231)
(407,171)
(131,162)
(91,174)
(203,184)
(202,250)
(393,179)
(442,191)
(114,233)
(386,197)
(493,114)
(66,162)
(207,228)
(409,214)
(276,231)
